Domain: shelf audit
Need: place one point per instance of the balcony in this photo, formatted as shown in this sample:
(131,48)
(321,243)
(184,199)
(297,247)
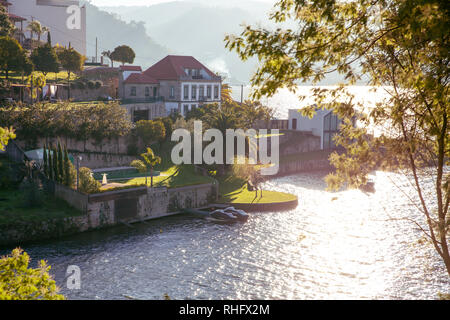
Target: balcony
(142,100)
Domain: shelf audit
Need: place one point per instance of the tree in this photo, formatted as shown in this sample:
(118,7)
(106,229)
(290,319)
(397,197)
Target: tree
(151,160)
(403,45)
(250,173)
(50,164)
(123,54)
(45,157)
(71,61)
(37,80)
(70,173)
(5,135)
(61,166)
(55,164)
(36,27)
(6,27)
(45,59)
(225,93)
(87,183)
(139,165)
(12,56)
(19,282)
(108,55)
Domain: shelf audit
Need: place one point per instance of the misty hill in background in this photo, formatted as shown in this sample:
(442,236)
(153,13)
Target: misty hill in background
(112,32)
(198,28)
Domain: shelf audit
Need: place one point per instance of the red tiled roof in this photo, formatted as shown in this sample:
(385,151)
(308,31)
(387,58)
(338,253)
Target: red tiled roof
(15,17)
(140,78)
(131,68)
(172,68)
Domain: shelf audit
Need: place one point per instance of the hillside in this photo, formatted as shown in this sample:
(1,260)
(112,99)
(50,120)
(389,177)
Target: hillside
(112,32)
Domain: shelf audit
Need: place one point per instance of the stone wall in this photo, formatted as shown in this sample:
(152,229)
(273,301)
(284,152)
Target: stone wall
(110,146)
(287,168)
(103,160)
(108,209)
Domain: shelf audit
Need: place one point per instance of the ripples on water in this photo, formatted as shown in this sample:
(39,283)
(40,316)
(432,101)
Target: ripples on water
(333,246)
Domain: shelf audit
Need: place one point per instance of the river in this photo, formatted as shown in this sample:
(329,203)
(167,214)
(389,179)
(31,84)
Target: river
(342,245)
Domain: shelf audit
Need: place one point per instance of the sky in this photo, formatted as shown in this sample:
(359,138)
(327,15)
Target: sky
(139,2)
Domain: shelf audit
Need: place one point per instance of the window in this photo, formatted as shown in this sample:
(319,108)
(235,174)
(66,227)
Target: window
(194,92)
(208,92)
(172,92)
(133,91)
(201,93)
(216,92)
(155,91)
(185,109)
(294,124)
(330,129)
(147,91)
(193,107)
(186,92)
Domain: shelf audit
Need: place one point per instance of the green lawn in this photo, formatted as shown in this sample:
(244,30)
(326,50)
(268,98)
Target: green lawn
(174,177)
(12,208)
(233,190)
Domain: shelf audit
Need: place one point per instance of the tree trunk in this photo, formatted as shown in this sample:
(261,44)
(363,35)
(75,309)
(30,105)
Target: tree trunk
(68,93)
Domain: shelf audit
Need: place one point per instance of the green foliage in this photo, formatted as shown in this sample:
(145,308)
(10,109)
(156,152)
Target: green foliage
(123,54)
(45,159)
(402,45)
(139,165)
(151,131)
(6,27)
(35,26)
(5,135)
(70,173)
(151,160)
(13,57)
(79,121)
(45,59)
(19,282)
(87,183)
(60,164)
(55,167)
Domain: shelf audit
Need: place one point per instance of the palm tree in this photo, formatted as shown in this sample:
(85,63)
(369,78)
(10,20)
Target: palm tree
(151,160)
(108,55)
(36,27)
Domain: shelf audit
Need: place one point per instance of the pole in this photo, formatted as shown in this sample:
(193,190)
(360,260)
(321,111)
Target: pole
(242,93)
(96,48)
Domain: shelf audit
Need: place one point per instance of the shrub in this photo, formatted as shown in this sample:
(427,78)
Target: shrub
(91,84)
(87,183)
(139,165)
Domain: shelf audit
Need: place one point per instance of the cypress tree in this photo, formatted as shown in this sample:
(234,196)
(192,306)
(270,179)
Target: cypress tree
(60,164)
(66,168)
(50,164)
(55,164)
(45,162)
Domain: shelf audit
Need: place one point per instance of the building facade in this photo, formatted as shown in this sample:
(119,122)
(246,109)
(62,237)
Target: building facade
(181,83)
(325,124)
(66,27)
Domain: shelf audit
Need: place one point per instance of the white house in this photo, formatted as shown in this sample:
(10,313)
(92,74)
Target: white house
(324,124)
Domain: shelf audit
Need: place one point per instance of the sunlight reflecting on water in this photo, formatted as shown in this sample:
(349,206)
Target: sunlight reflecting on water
(333,246)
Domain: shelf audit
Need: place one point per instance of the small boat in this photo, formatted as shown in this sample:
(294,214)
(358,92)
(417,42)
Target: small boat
(241,215)
(223,216)
(227,215)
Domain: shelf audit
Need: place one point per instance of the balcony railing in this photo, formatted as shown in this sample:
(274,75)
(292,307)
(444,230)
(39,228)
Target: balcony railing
(142,100)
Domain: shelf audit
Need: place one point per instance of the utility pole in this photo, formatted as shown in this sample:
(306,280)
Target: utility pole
(242,93)
(96,48)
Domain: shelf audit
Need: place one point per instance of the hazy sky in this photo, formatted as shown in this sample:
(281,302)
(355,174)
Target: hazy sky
(140,2)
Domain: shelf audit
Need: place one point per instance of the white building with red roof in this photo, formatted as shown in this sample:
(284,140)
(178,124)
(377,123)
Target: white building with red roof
(181,82)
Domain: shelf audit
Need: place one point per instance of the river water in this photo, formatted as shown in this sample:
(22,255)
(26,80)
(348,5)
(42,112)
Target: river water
(342,245)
